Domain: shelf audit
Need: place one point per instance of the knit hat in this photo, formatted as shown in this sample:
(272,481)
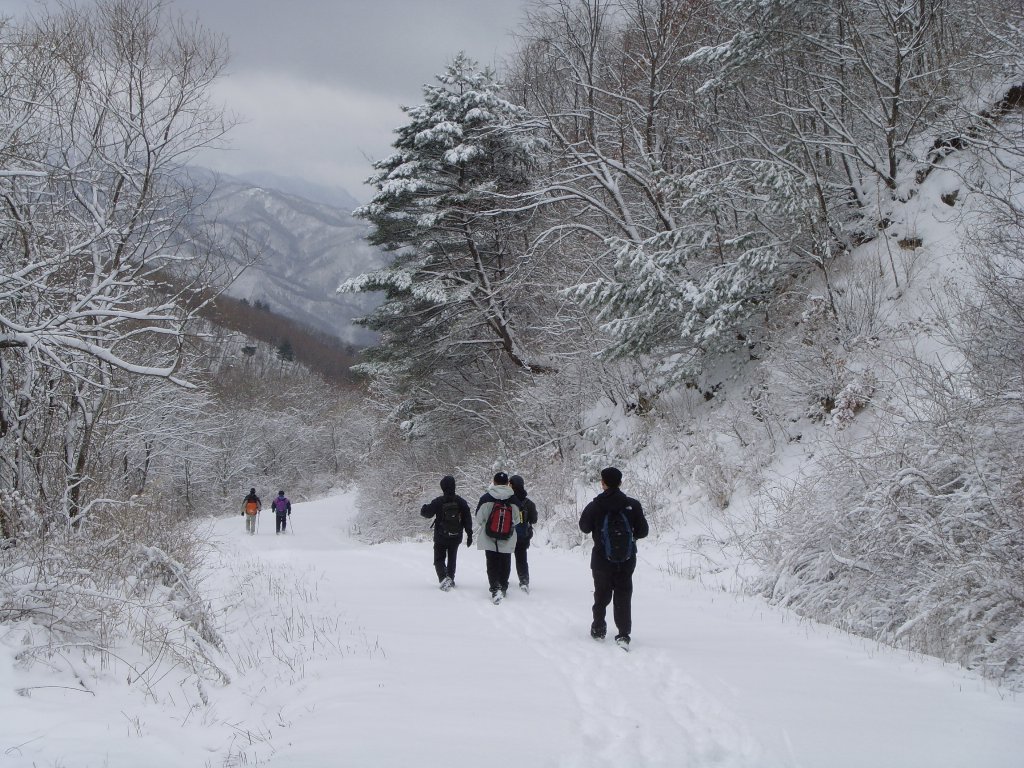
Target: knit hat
(448,485)
(518,485)
(500,478)
(612,477)
(280,493)
(252,490)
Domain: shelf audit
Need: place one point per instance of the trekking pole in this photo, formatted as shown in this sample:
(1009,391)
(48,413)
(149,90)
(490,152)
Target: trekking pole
(257,522)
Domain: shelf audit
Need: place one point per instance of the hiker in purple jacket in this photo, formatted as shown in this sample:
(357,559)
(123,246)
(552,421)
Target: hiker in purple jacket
(282,509)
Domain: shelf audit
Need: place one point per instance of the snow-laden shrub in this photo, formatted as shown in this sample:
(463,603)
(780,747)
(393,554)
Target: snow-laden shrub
(912,538)
(853,398)
(114,589)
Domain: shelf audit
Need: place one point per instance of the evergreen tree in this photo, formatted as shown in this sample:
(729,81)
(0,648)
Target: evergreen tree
(285,351)
(447,319)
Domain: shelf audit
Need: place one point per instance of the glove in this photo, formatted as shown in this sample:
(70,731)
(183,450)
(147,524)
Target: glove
(469,540)
(289,514)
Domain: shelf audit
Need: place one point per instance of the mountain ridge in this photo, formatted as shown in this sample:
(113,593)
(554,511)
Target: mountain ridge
(305,248)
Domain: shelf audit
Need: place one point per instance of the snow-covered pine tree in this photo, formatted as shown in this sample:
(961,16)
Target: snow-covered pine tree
(447,329)
(692,290)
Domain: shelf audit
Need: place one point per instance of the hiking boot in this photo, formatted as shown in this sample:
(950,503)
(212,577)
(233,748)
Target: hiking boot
(496,597)
(622,641)
(597,633)
(446,584)
(525,586)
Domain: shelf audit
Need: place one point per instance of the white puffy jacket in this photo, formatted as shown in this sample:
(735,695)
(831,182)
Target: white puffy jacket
(483,509)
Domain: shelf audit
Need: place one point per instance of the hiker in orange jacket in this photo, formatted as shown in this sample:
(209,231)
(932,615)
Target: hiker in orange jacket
(251,507)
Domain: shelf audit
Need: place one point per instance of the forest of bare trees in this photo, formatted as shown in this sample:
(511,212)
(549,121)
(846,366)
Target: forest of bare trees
(123,413)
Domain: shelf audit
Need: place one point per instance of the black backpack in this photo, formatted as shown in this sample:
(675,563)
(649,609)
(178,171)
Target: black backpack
(449,518)
(617,536)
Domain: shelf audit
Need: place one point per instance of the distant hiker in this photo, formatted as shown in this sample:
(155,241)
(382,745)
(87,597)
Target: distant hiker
(451,517)
(282,511)
(251,507)
(497,515)
(616,522)
(524,530)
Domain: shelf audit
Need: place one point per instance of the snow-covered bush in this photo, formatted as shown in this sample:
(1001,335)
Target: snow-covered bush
(911,538)
(853,398)
(115,591)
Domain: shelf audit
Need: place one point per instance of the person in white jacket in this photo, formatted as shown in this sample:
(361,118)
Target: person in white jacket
(496,517)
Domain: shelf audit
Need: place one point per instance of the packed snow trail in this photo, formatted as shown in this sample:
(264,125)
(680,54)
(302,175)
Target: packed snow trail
(430,678)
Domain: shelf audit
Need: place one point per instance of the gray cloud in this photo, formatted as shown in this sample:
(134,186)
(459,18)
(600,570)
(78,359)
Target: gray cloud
(319,83)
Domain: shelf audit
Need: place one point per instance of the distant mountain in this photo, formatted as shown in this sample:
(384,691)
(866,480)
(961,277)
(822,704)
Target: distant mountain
(321,193)
(308,243)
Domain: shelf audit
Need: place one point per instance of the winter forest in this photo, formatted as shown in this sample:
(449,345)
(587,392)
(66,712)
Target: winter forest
(765,256)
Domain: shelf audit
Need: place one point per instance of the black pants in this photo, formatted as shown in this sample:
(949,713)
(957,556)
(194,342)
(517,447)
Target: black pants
(614,586)
(499,567)
(522,566)
(446,551)
(282,521)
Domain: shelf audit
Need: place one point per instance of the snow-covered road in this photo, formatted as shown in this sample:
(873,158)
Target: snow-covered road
(447,679)
(343,654)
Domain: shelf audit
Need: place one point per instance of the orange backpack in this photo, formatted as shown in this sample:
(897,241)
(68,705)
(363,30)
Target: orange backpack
(251,508)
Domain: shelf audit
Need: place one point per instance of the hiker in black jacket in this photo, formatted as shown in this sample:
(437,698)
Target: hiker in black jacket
(613,559)
(451,517)
(524,530)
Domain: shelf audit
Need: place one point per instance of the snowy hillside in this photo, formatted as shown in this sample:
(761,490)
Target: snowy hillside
(308,243)
(339,653)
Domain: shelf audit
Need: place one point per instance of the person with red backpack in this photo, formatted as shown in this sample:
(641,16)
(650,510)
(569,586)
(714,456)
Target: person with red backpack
(251,507)
(497,515)
(282,511)
(451,517)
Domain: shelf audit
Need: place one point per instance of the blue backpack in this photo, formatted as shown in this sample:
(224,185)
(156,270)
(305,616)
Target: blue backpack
(617,536)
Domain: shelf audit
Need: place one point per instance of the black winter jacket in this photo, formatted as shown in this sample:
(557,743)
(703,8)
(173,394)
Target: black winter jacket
(592,522)
(433,509)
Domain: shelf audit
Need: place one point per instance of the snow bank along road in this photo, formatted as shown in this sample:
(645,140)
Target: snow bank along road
(407,675)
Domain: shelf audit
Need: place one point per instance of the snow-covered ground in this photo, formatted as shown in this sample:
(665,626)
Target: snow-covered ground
(343,654)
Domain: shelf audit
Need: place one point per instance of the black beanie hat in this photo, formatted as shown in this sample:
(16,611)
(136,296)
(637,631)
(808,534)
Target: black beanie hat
(518,485)
(612,477)
(252,490)
(500,478)
(448,485)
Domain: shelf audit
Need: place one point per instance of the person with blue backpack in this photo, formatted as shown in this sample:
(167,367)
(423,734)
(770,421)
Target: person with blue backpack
(282,511)
(524,530)
(615,522)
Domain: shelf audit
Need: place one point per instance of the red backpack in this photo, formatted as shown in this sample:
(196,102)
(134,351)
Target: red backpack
(499,521)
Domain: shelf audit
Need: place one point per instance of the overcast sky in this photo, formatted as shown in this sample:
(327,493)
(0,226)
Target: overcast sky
(319,83)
